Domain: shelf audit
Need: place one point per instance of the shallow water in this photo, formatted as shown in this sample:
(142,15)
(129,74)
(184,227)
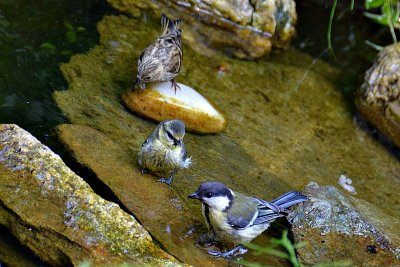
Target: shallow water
(30,74)
(34,40)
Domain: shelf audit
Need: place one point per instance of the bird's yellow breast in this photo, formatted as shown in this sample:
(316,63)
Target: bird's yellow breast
(219,223)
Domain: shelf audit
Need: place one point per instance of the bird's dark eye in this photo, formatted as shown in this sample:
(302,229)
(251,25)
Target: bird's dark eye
(209,194)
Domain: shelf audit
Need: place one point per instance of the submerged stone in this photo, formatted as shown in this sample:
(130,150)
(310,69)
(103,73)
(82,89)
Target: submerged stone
(160,102)
(335,227)
(379,96)
(51,210)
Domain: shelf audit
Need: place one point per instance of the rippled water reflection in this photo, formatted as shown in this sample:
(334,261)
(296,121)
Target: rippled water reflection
(34,40)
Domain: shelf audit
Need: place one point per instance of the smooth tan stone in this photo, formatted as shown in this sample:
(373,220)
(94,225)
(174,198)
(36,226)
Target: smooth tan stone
(161,102)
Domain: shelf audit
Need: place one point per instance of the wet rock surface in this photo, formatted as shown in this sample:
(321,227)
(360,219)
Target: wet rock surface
(56,214)
(157,207)
(379,97)
(288,124)
(12,253)
(335,227)
(246,29)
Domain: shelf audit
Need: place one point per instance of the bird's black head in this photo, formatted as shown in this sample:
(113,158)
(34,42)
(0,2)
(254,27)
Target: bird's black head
(214,194)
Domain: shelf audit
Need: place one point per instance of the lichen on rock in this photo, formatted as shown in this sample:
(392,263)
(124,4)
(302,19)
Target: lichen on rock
(335,227)
(58,216)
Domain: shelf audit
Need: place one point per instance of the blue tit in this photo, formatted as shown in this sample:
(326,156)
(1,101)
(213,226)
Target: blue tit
(163,153)
(238,218)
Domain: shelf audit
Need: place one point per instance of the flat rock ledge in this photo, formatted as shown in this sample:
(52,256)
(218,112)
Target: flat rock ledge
(55,213)
(336,228)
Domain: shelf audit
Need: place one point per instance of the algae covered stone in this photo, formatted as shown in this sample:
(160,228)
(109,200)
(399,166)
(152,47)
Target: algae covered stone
(51,210)
(335,228)
(379,96)
(160,102)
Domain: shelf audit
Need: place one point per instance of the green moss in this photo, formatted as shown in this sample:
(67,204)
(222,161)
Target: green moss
(58,216)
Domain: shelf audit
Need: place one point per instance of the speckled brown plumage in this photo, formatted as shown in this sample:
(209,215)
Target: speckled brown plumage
(161,61)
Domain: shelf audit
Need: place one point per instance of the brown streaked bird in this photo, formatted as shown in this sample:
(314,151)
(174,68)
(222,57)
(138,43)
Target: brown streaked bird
(161,61)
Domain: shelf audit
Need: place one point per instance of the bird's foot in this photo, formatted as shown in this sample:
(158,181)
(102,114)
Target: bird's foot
(239,250)
(166,181)
(175,85)
(144,170)
(135,83)
(206,240)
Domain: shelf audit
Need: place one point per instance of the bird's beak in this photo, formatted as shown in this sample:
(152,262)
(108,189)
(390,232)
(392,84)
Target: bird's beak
(177,142)
(137,81)
(194,196)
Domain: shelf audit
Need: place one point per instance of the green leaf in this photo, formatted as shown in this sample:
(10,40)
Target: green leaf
(277,253)
(80,29)
(68,25)
(381,19)
(70,36)
(373,3)
(48,46)
(66,52)
(330,23)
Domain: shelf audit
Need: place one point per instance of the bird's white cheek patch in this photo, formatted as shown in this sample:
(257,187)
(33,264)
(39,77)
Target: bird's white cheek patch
(218,203)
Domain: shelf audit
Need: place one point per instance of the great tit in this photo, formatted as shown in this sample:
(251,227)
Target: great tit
(163,153)
(238,218)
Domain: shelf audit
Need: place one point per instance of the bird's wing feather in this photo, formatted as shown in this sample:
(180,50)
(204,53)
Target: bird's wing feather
(183,151)
(269,211)
(242,213)
(167,25)
(165,21)
(265,215)
(289,199)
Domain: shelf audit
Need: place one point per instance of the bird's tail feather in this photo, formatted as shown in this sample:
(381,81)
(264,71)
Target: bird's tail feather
(269,211)
(289,199)
(167,25)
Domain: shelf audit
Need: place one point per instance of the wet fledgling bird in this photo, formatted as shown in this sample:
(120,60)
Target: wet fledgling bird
(163,153)
(238,218)
(161,61)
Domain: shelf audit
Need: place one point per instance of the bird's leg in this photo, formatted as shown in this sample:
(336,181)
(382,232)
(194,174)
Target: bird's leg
(144,170)
(239,250)
(169,180)
(175,85)
(135,83)
(207,239)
